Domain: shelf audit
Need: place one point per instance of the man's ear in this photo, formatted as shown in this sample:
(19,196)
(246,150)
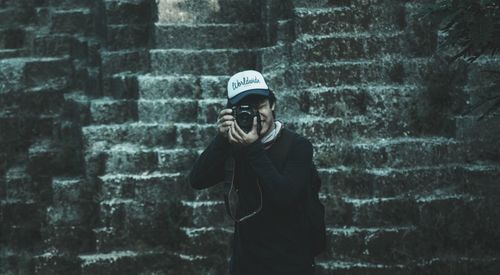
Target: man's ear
(273,105)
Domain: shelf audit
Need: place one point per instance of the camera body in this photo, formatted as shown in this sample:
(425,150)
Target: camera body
(244,115)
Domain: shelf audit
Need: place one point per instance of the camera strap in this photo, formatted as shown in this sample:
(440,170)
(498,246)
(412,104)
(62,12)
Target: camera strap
(229,168)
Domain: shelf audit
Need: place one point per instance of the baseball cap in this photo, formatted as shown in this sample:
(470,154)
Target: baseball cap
(246,83)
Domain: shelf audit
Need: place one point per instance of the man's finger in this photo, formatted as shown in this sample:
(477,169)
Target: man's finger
(226,118)
(238,130)
(231,138)
(254,126)
(235,132)
(225,112)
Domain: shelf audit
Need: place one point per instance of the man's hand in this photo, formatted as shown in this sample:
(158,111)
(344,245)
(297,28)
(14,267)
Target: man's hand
(224,122)
(239,137)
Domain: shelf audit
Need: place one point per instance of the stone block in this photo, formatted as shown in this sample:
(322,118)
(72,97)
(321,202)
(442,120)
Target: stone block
(19,185)
(195,135)
(53,73)
(16,262)
(124,60)
(130,159)
(168,111)
(123,86)
(53,45)
(209,109)
(213,86)
(11,38)
(45,159)
(113,111)
(225,11)
(71,214)
(166,87)
(129,12)
(163,135)
(54,263)
(127,36)
(71,190)
(72,21)
(208,62)
(208,36)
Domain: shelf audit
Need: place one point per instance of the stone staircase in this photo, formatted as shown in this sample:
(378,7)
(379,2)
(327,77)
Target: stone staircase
(142,143)
(120,107)
(361,64)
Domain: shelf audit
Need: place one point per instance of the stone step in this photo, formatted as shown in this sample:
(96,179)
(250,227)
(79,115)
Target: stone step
(72,21)
(13,53)
(213,240)
(347,101)
(56,263)
(381,244)
(45,158)
(153,187)
(205,213)
(127,158)
(402,210)
(202,62)
(108,111)
(207,36)
(69,238)
(395,152)
(387,182)
(319,129)
(385,70)
(33,104)
(59,44)
(128,223)
(182,86)
(187,135)
(349,45)
(150,262)
(323,21)
(35,73)
(71,190)
(444,264)
(209,12)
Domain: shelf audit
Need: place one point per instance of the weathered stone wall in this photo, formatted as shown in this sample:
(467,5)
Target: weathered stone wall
(106,104)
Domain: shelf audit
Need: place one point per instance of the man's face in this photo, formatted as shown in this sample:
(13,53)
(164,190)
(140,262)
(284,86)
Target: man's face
(264,108)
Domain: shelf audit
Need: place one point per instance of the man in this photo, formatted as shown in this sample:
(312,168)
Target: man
(270,233)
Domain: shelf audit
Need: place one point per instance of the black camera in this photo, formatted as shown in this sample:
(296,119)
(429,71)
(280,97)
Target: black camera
(244,115)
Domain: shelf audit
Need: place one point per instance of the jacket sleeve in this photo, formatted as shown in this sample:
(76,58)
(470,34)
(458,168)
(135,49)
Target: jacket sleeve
(208,169)
(283,189)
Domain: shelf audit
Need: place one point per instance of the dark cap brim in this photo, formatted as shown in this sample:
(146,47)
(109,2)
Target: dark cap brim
(239,97)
